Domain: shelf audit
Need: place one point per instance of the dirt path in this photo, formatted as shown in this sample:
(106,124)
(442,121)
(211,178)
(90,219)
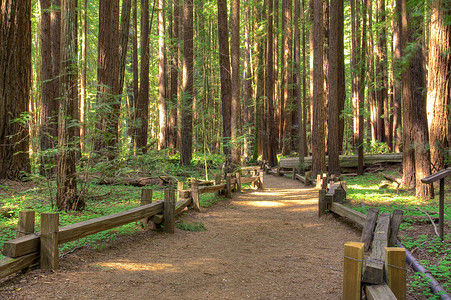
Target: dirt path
(260,245)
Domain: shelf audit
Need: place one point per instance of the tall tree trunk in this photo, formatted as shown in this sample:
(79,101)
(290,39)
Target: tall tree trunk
(236,101)
(188,85)
(15,84)
(142,103)
(67,196)
(247,88)
(318,129)
(439,86)
(83,72)
(304,83)
(135,68)
(287,76)
(162,107)
(408,154)
(383,108)
(226,81)
(361,89)
(397,68)
(336,85)
(175,45)
(107,78)
(297,63)
(371,77)
(269,90)
(49,109)
(123,41)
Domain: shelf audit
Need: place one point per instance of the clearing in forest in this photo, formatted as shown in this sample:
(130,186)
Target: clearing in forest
(260,245)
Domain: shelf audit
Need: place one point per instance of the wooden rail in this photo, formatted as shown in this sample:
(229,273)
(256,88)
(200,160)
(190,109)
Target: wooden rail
(441,175)
(27,250)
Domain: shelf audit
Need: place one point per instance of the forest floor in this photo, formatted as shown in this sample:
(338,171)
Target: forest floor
(259,245)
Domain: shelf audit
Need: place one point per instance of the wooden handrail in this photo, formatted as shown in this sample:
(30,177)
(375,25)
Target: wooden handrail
(437,176)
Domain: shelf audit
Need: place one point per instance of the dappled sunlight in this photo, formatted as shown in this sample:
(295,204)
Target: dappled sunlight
(266,204)
(130,266)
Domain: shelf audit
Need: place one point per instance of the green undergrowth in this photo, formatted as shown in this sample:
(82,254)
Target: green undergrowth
(194,226)
(416,235)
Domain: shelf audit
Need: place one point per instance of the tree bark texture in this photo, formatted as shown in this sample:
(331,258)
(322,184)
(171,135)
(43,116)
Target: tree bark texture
(335,48)
(162,82)
(49,105)
(269,90)
(226,81)
(67,196)
(108,102)
(142,103)
(318,129)
(397,68)
(439,86)
(15,84)
(236,87)
(188,84)
(287,88)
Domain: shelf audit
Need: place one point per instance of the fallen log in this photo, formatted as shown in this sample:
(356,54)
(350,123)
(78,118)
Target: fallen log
(139,182)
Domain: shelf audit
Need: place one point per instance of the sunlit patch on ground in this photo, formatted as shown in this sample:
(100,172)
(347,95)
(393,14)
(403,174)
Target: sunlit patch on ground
(128,266)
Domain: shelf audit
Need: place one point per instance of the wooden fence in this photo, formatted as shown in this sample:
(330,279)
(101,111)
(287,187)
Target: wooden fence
(30,249)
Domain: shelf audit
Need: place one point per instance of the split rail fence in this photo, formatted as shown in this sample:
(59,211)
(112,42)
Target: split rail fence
(31,249)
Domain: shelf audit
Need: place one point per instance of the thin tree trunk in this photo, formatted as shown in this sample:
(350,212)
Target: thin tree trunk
(318,130)
(49,109)
(175,45)
(269,90)
(361,89)
(408,154)
(123,42)
(162,82)
(287,77)
(135,68)
(247,88)
(226,81)
(304,84)
(142,103)
(83,73)
(188,85)
(235,64)
(67,196)
(397,91)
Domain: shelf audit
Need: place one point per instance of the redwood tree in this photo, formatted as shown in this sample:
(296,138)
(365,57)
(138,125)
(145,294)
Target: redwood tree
(67,196)
(439,86)
(186,149)
(15,84)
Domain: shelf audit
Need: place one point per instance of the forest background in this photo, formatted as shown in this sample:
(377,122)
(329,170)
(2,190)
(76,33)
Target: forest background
(113,82)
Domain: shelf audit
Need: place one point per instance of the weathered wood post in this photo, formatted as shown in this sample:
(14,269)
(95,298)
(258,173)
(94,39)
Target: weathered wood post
(294,174)
(352,271)
(238,181)
(395,270)
(49,241)
(25,225)
(146,198)
(218,182)
(260,183)
(229,186)
(169,211)
(180,186)
(318,181)
(195,194)
(322,205)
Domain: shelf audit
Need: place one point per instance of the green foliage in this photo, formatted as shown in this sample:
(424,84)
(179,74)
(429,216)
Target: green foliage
(364,193)
(195,226)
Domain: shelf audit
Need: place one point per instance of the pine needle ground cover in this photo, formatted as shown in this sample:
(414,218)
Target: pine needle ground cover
(417,233)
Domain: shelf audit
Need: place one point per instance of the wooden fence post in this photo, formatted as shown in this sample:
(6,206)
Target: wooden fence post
(195,194)
(218,182)
(49,241)
(169,211)
(238,181)
(229,186)
(180,186)
(25,225)
(395,270)
(352,270)
(146,198)
(318,181)
(294,174)
(260,184)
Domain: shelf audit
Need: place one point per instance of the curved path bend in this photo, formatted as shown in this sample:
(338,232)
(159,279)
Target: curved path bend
(260,245)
